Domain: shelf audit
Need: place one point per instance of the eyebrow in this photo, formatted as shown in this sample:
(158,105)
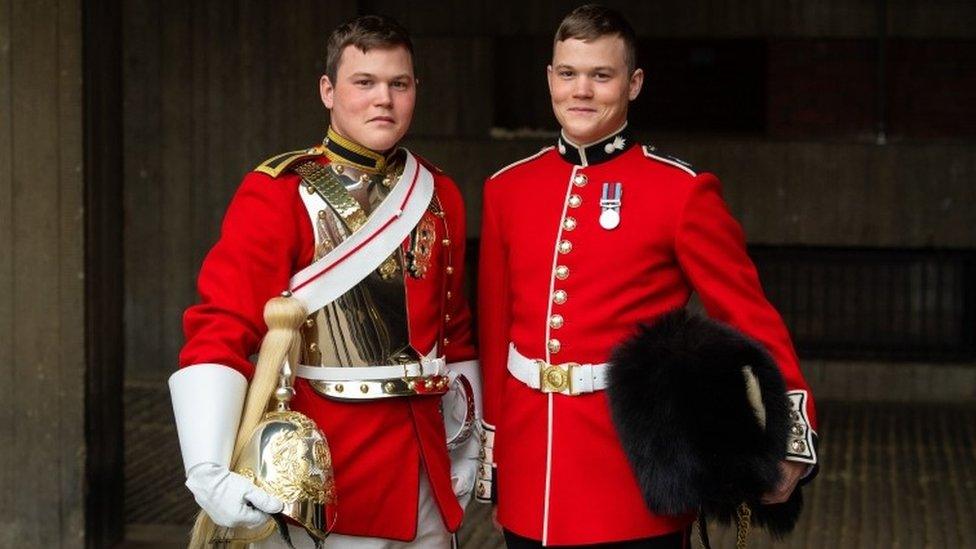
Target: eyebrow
(604,69)
(370,75)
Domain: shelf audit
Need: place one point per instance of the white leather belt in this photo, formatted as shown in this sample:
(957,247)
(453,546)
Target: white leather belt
(425,368)
(568,378)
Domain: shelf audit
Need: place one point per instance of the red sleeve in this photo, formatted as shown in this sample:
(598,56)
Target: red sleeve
(711,249)
(457,327)
(261,241)
(493,307)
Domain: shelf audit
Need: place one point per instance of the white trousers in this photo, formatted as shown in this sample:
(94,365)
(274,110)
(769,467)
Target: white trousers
(431,531)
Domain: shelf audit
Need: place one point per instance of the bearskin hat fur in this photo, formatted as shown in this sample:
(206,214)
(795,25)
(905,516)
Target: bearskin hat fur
(685,395)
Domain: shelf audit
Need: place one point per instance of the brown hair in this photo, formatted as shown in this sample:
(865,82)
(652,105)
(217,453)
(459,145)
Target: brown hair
(365,32)
(593,21)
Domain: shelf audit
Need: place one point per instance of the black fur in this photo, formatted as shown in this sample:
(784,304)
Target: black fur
(678,400)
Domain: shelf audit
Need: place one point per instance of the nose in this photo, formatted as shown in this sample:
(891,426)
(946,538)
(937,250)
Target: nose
(583,88)
(383,96)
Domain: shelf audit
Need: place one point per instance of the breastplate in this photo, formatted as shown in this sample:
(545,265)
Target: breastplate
(368,325)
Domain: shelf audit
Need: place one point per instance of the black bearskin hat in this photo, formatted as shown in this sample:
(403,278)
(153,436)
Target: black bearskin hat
(702,413)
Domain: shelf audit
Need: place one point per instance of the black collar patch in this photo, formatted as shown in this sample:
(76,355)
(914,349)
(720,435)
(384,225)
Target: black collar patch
(594,153)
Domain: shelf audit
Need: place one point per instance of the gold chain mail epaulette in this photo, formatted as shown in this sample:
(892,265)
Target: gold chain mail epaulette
(276,165)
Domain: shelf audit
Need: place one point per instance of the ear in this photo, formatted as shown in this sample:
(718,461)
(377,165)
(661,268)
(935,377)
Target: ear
(636,82)
(327,92)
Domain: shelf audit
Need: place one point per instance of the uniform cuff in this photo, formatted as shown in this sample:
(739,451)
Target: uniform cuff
(800,444)
(485,490)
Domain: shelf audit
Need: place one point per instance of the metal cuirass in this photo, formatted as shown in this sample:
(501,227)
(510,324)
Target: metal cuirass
(366,326)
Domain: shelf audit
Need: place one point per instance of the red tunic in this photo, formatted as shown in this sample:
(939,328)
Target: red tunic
(377,446)
(562,474)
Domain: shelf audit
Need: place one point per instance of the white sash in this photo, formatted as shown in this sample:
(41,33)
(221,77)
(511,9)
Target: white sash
(355,257)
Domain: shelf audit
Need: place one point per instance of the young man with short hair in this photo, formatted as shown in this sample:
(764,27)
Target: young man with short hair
(615,234)
(401,311)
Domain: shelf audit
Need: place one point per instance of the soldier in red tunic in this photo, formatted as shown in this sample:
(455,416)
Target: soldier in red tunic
(582,242)
(375,359)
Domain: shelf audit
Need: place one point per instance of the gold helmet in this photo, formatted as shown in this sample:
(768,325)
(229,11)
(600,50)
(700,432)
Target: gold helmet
(288,457)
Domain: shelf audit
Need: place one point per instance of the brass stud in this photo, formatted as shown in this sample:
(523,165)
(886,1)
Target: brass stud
(569,223)
(446,242)
(322,214)
(798,446)
(565,247)
(449,270)
(554,345)
(339,168)
(562,272)
(314,347)
(339,388)
(449,294)
(389,387)
(796,429)
(364,388)
(575,200)
(559,297)
(447,318)
(556,321)
(310,189)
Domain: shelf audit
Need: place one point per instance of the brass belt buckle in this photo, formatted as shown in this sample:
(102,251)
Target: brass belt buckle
(556,378)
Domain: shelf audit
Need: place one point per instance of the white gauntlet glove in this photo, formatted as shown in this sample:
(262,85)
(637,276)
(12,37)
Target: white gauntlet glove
(207,403)
(230,499)
(464,458)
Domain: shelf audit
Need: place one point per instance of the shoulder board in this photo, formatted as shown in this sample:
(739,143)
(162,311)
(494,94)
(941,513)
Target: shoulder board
(277,164)
(652,152)
(427,163)
(523,161)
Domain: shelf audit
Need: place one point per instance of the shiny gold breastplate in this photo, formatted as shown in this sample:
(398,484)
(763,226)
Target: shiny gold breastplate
(368,325)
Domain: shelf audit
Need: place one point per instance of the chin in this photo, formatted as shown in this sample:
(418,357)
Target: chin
(381,140)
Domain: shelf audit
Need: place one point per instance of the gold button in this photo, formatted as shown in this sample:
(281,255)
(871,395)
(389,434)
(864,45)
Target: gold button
(339,388)
(569,223)
(389,387)
(575,200)
(364,388)
(798,446)
(562,272)
(322,214)
(556,321)
(447,318)
(446,242)
(449,294)
(579,180)
(565,247)
(559,297)
(449,270)
(554,345)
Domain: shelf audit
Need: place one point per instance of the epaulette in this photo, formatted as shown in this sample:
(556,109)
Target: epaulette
(427,163)
(522,161)
(277,164)
(651,151)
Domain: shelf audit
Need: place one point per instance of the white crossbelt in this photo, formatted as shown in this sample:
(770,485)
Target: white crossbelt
(569,378)
(427,366)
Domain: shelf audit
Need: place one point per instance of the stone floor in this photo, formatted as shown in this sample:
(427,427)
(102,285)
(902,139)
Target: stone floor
(893,476)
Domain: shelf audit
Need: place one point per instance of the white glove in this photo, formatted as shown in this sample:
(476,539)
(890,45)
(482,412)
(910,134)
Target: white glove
(228,498)
(464,467)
